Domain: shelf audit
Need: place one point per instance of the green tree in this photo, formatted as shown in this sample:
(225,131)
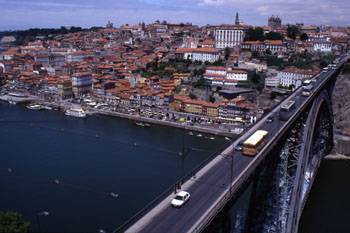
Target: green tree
(255,34)
(192,96)
(292,32)
(255,78)
(274,36)
(304,37)
(11,222)
(227,53)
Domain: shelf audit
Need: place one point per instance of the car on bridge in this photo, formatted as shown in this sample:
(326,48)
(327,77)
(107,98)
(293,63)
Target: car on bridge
(270,119)
(180,199)
(239,146)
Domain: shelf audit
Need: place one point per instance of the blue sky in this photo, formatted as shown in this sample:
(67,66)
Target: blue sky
(23,14)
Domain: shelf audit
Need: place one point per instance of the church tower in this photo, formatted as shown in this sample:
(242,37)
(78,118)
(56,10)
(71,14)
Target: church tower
(237,19)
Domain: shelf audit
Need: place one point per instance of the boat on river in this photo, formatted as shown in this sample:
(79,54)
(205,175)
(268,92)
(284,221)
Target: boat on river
(36,107)
(142,124)
(79,113)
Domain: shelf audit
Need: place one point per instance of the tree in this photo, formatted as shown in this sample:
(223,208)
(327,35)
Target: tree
(304,37)
(292,32)
(255,34)
(274,36)
(255,78)
(192,96)
(268,51)
(11,222)
(227,53)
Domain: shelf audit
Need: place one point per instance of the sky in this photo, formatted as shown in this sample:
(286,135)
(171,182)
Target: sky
(24,14)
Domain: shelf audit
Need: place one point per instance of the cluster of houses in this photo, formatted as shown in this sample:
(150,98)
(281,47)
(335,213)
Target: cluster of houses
(108,63)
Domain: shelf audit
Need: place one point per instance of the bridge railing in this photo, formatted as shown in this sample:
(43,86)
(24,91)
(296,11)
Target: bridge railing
(170,190)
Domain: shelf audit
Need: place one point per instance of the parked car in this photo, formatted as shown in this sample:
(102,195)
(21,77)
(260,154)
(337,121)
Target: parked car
(180,199)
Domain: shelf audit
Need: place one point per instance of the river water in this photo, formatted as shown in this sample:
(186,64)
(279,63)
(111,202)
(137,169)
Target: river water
(326,210)
(96,156)
(91,158)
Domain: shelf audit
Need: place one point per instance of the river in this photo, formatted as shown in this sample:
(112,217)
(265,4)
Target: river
(91,158)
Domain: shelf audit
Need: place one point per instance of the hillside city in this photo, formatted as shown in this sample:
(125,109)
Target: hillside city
(229,74)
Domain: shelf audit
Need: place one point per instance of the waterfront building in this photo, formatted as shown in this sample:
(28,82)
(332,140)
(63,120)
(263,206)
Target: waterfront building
(65,87)
(210,109)
(193,106)
(81,83)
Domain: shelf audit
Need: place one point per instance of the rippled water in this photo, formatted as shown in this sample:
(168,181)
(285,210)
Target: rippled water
(91,158)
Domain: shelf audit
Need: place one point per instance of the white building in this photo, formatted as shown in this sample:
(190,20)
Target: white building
(222,76)
(81,83)
(239,75)
(198,54)
(322,46)
(292,76)
(229,35)
(273,81)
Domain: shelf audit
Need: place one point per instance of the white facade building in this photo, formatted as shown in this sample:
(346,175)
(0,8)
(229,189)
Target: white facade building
(322,46)
(221,76)
(272,81)
(292,76)
(229,35)
(198,54)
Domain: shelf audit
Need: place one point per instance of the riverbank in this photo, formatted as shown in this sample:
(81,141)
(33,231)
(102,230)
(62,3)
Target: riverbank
(64,105)
(166,123)
(337,157)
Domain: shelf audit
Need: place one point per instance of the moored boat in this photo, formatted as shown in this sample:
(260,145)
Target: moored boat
(141,124)
(35,107)
(79,113)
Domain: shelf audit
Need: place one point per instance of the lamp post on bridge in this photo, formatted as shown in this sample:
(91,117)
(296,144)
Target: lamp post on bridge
(183,153)
(229,158)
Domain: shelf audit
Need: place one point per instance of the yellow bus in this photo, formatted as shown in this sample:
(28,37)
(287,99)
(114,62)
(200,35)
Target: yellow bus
(255,142)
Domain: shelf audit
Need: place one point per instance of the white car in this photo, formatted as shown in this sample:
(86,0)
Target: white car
(180,199)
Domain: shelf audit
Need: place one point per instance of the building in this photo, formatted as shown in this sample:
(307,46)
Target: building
(274,46)
(229,35)
(274,23)
(322,46)
(81,83)
(198,54)
(65,87)
(224,77)
(109,24)
(294,77)
(50,60)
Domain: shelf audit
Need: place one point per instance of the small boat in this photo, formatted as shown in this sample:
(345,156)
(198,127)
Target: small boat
(79,113)
(211,138)
(141,124)
(190,133)
(35,107)
(47,107)
(227,139)
(12,102)
(199,135)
